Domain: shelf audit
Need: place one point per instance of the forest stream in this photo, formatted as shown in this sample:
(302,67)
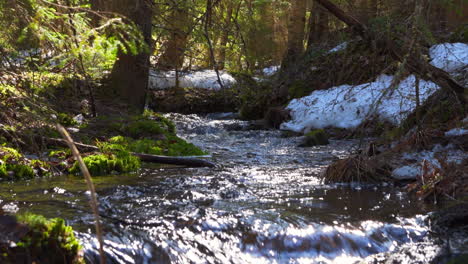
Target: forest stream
(264,203)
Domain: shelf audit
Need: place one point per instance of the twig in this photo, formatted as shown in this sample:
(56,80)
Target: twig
(89,182)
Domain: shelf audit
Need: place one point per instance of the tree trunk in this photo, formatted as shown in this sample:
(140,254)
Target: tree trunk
(296,35)
(224,35)
(129,77)
(174,48)
(296,32)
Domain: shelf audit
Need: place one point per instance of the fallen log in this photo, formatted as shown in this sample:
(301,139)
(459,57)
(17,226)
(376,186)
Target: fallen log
(182,161)
(415,62)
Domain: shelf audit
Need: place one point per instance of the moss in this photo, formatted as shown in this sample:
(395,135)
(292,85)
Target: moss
(148,125)
(168,124)
(104,164)
(143,127)
(3,170)
(49,240)
(315,137)
(171,145)
(66,120)
(15,163)
(59,153)
(299,89)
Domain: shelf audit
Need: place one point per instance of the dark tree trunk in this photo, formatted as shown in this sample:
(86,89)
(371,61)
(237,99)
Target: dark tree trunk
(179,29)
(296,36)
(129,77)
(224,36)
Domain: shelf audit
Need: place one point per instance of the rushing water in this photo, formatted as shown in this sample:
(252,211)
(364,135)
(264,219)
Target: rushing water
(264,203)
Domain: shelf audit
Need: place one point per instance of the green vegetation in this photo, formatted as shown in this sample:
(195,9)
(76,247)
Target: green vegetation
(170,145)
(14,166)
(315,137)
(299,89)
(49,240)
(104,164)
(66,120)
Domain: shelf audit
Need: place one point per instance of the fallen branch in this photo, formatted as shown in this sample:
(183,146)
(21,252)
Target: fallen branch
(183,161)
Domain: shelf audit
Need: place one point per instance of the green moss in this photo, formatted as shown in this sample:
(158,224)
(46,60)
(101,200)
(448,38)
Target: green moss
(49,240)
(143,127)
(167,124)
(299,89)
(66,120)
(14,162)
(315,137)
(104,164)
(60,153)
(171,145)
(149,124)
(3,170)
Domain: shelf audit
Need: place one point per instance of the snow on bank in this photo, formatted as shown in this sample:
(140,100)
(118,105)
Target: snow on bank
(456,132)
(411,171)
(269,71)
(206,79)
(347,106)
(339,47)
(449,56)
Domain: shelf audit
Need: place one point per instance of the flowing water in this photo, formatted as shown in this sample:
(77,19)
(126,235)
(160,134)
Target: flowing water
(264,203)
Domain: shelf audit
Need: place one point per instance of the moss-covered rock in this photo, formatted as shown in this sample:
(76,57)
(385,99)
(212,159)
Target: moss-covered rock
(171,145)
(48,241)
(105,164)
(315,138)
(14,166)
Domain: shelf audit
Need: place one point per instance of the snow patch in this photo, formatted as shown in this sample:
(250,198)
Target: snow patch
(347,106)
(206,79)
(339,47)
(449,153)
(269,71)
(456,132)
(449,56)
(406,172)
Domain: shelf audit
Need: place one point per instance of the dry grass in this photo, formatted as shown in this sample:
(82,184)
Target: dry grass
(358,168)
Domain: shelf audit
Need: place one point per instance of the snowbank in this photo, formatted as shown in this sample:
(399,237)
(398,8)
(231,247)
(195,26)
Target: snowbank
(205,79)
(348,106)
(449,56)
